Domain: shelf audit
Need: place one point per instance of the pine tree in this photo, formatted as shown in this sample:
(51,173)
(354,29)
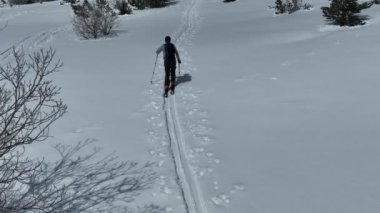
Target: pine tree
(123,7)
(280,7)
(345,12)
(290,6)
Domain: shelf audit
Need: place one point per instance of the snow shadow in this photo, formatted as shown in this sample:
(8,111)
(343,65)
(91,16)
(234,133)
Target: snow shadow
(183,79)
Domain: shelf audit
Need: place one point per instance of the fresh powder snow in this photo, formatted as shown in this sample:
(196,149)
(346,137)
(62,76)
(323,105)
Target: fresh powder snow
(272,113)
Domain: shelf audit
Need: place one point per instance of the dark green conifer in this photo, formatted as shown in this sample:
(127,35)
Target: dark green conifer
(280,7)
(345,12)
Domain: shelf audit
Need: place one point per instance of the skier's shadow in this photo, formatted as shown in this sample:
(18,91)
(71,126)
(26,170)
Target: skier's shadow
(183,79)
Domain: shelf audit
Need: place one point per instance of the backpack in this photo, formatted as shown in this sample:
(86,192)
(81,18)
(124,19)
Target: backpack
(169,51)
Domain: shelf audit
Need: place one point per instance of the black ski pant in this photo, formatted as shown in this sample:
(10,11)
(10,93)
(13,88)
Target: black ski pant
(170,66)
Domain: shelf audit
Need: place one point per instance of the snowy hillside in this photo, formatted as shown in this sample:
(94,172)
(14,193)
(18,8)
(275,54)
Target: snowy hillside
(272,114)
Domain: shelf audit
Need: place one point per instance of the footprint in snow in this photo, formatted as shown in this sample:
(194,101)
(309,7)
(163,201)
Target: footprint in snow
(239,80)
(237,187)
(224,199)
(221,200)
(288,63)
(89,127)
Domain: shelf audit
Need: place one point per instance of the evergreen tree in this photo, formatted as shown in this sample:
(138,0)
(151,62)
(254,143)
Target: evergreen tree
(290,6)
(345,12)
(280,7)
(123,7)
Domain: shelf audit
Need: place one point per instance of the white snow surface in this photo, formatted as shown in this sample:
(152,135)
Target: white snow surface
(272,114)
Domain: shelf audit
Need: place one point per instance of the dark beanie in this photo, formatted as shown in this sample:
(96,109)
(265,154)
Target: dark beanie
(167,39)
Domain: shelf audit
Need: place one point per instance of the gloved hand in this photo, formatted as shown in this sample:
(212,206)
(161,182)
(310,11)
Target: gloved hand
(179,61)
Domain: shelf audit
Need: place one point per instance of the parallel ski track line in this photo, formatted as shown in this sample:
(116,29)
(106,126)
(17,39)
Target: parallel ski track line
(32,42)
(190,190)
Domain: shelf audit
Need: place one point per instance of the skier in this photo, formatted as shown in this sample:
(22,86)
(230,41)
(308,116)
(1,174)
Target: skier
(170,55)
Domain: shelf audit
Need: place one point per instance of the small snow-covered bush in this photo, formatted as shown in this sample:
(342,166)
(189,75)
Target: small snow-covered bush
(138,4)
(290,6)
(142,4)
(123,7)
(345,12)
(71,1)
(157,3)
(94,20)
(21,2)
(18,2)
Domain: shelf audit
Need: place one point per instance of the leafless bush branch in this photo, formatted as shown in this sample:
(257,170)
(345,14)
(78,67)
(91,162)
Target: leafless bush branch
(74,183)
(27,99)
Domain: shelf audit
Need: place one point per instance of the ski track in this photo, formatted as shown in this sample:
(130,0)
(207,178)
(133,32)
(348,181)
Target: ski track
(169,132)
(180,133)
(33,42)
(189,186)
(30,42)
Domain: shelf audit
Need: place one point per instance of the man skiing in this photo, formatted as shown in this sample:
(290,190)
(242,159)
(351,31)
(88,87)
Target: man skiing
(170,55)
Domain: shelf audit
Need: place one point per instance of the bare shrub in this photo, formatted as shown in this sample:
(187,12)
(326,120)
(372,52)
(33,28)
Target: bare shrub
(76,182)
(94,20)
(27,99)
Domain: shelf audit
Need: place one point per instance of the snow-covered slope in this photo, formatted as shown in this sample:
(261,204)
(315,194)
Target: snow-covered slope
(271,114)
(294,109)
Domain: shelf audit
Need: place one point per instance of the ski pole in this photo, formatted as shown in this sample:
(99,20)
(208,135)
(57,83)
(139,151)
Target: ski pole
(154,68)
(179,68)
